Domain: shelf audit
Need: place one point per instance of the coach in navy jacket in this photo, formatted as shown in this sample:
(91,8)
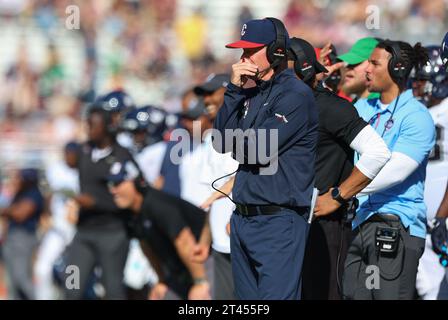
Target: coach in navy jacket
(274,182)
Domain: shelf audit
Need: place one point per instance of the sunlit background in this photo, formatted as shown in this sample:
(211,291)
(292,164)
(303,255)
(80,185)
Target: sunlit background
(154,49)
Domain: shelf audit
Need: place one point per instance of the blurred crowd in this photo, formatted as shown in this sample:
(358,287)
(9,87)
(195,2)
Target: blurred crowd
(155,51)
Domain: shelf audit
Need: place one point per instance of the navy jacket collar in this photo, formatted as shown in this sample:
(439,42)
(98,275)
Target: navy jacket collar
(264,85)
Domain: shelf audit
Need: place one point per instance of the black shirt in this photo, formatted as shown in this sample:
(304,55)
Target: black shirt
(339,124)
(93,181)
(161,219)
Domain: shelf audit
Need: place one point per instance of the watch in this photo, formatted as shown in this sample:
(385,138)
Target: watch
(336,195)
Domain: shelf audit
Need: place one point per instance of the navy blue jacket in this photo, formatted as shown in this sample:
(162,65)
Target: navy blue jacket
(284,103)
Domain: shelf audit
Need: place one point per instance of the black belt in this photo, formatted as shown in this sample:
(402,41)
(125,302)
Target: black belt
(252,210)
(384,217)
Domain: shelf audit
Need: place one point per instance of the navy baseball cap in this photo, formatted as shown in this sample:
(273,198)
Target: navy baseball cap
(30,175)
(72,146)
(212,83)
(195,109)
(255,34)
(115,101)
(122,171)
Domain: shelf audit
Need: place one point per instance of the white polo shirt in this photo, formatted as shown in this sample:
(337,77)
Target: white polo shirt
(150,160)
(197,171)
(61,179)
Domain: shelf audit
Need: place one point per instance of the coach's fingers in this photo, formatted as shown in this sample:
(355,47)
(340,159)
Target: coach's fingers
(241,69)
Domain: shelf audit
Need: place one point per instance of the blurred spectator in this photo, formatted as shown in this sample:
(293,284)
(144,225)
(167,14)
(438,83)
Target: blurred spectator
(192,32)
(155,50)
(101,237)
(197,122)
(23,216)
(50,81)
(20,91)
(45,14)
(244,15)
(168,180)
(63,181)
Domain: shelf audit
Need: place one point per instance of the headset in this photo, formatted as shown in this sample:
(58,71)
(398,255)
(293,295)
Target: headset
(276,50)
(141,185)
(396,65)
(303,67)
(139,182)
(444,52)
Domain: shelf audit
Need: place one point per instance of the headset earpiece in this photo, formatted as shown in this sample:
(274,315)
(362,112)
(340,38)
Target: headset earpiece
(396,65)
(141,185)
(276,50)
(303,67)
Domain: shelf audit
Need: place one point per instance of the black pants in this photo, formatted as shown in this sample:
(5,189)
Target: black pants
(397,272)
(325,255)
(105,248)
(223,279)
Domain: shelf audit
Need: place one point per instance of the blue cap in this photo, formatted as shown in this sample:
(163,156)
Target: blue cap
(255,34)
(115,101)
(212,83)
(444,51)
(195,109)
(148,118)
(30,175)
(72,146)
(123,171)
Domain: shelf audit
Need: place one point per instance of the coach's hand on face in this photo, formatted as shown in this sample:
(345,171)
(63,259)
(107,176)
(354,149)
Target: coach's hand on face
(242,71)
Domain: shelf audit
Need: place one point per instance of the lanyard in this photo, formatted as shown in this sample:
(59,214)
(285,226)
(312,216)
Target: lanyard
(375,118)
(389,123)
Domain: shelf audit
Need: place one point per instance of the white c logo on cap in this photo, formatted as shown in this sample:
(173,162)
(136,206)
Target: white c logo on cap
(243,29)
(113,103)
(115,168)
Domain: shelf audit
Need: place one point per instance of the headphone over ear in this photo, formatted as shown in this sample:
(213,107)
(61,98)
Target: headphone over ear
(303,67)
(276,50)
(396,65)
(141,185)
